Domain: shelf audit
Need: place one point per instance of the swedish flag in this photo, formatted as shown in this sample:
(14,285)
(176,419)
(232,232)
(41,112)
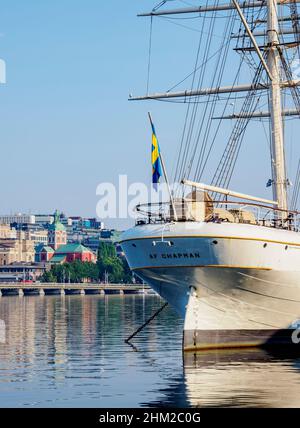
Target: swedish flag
(155,158)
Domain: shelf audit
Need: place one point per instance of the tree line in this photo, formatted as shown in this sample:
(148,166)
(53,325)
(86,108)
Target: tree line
(109,268)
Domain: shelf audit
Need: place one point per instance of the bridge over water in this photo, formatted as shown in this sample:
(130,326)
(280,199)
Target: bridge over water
(21,289)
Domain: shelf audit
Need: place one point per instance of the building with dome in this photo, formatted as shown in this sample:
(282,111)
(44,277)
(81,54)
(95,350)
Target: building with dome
(58,251)
(57,234)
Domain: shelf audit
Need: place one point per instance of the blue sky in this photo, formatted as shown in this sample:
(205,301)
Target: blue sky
(66,124)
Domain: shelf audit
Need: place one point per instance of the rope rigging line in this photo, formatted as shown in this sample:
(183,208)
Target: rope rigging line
(222,62)
(159,5)
(296,190)
(187,112)
(185,160)
(296,99)
(200,66)
(203,120)
(295,23)
(195,108)
(200,173)
(183,143)
(191,155)
(149,54)
(225,168)
(207,129)
(289,76)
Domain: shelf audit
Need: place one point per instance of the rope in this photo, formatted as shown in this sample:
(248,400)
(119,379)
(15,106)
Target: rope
(217,78)
(199,84)
(182,148)
(296,190)
(149,54)
(228,160)
(146,323)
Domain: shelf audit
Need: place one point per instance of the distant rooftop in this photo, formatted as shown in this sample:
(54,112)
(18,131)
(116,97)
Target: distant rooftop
(72,248)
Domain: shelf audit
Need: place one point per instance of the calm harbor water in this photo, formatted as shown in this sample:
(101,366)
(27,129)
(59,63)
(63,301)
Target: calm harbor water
(69,351)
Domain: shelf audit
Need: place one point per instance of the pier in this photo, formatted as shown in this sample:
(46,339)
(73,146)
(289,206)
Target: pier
(48,289)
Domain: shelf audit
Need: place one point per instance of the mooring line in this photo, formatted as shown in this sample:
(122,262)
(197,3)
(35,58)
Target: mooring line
(145,324)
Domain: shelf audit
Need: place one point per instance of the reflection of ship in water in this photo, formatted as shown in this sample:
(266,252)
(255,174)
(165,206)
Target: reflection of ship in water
(235,378)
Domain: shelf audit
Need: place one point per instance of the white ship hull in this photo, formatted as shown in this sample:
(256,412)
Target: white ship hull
(235,284)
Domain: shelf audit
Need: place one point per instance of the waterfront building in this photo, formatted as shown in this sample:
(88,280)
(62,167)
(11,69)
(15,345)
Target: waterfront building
(22,271)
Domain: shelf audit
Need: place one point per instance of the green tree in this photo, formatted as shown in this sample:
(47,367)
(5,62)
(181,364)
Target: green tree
(48,276)
(75,272)
(127,276)
(109,263)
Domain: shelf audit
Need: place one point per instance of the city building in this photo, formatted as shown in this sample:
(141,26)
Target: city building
(17,218)
(43,238)
(16,250)
(80,223)
(66,221)
(57,250)
(22,271)
(76,222)
(6,232)
(44,219)
(43,253)
(71,252)
(57,235)
(91,242)
(39,236)
(67,253)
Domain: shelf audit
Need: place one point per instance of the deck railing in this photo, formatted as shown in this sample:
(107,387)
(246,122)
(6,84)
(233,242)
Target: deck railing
(221,211)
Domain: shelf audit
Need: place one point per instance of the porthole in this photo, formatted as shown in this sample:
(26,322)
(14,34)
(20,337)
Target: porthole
(215,242)
(286,247)
(134,245)
(265,245)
